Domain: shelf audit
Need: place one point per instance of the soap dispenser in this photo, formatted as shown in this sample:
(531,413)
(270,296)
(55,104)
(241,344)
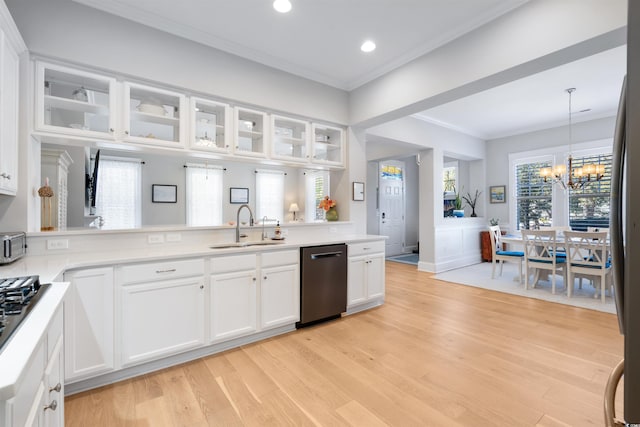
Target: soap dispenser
(277,231)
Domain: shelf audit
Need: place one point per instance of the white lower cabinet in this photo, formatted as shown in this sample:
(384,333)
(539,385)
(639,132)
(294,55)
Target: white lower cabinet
(89,323)
(39,399)
(233,297)
(159,313)
(365,273)
(279,289)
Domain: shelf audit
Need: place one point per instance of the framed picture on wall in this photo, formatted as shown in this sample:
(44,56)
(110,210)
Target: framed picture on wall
(238,195)
(164,193)
(358,191)
(498,194)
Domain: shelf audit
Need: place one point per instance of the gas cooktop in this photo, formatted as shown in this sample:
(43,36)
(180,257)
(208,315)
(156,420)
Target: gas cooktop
(18,296)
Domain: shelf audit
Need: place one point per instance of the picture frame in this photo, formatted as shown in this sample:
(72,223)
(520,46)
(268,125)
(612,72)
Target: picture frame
(161,193)
(238,195)
(358,191)
(498,194)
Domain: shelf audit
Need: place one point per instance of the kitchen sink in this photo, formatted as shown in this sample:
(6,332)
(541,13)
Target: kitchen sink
(245,244)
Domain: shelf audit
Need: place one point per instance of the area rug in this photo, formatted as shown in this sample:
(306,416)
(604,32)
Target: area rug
(405,259)
(479,275)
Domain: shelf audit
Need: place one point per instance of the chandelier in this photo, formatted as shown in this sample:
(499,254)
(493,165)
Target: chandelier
(568,176)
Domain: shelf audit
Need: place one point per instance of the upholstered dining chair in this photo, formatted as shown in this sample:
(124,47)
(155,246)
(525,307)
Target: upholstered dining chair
(500,255)
(588,255)
(541,253)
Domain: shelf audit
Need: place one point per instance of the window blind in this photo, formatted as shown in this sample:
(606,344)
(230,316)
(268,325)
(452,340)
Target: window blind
(316,187)
(269,194)
(118,199)
(533,196)
(204,187)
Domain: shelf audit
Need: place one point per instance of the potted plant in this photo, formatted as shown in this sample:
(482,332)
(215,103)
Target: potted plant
(472,201)
(458,210)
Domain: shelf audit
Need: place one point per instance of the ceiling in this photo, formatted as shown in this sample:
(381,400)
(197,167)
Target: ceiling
(320,40)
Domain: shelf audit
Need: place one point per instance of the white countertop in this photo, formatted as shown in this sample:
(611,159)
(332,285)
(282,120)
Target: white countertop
(51,267)
(17,352)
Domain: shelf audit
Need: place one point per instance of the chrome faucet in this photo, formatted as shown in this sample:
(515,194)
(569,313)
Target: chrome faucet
(238,221)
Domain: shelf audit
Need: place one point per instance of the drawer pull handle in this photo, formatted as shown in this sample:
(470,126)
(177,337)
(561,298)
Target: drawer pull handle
(53,405)
(57,388)
(171,270)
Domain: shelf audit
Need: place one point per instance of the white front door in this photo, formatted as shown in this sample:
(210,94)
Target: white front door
(391,189)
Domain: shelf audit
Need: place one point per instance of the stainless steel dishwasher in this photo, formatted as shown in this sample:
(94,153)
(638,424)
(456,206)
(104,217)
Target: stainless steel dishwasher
(323,283)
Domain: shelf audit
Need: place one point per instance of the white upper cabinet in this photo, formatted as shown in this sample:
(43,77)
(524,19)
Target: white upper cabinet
(74,102)
(289,139)
(327,145)
(211,126)
(250,133)
(9,79)
(154,116)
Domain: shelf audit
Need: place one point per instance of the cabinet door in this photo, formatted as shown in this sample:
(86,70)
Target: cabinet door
(356,283)
(289,139)
(251,133)
(88,323)
(211,125)
(8,118)
(233,305)
(279,296)
(74,102)
(154,116)
(54,389)
(160,318)
(375,276)
(327,144)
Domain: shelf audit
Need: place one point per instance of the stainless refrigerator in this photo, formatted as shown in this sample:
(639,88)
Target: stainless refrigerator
(625,223)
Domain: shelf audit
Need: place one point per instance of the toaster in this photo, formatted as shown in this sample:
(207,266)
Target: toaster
(14,246)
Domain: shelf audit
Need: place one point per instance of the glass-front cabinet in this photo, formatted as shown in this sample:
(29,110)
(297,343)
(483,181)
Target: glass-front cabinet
(250,135)
(211,126)
(289,139)
(75,102)
(154,116)
(327,144)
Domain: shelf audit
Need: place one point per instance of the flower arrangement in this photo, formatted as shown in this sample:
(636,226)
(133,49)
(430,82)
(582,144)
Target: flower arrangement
(327,203)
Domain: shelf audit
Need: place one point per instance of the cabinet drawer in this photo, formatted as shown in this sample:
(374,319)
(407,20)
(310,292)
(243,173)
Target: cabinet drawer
(225,264)
(54,332)
(366,248)
(272,259)
(162,270)
(28,387)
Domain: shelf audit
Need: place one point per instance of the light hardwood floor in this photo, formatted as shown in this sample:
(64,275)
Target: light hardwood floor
(435,354)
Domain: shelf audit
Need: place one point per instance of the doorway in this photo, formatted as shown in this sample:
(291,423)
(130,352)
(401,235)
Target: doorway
(391,185)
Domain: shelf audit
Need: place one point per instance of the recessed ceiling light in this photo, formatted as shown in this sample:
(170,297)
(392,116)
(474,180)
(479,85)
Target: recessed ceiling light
(282,6)
(368,46)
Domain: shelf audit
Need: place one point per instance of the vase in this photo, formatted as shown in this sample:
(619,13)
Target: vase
(458,213)
(473,213)
(331,214)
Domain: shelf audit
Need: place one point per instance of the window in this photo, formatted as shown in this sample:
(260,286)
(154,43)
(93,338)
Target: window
(269,194)
(118,198)
(533,196)
(589,205)
(449,178)
(316,187)
(203,194)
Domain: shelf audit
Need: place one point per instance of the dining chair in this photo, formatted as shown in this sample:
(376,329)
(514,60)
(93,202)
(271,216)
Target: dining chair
(500,255)
(588,255)
(540,253)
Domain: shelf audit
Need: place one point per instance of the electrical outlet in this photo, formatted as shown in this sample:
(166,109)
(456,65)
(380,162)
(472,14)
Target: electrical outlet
(54,244)
(156,238)
(173,237)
